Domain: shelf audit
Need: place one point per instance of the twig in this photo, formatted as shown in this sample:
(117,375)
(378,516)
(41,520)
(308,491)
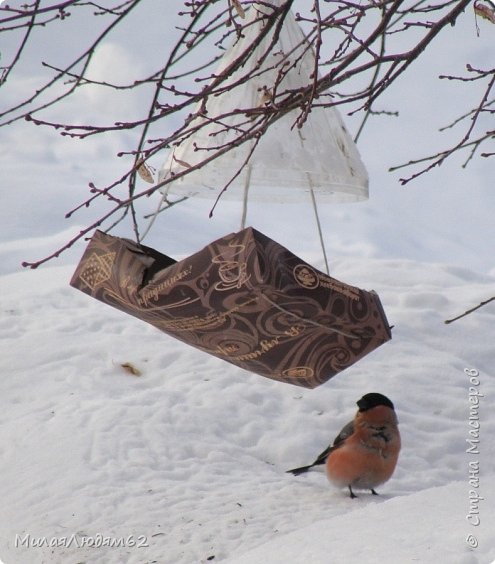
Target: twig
(469,311)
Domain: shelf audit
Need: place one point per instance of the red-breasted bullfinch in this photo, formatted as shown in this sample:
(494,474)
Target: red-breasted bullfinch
(365,452)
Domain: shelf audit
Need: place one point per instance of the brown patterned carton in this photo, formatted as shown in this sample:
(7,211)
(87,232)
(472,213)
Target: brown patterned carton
(243,298)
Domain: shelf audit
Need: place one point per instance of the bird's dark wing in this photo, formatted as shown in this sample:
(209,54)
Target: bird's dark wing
(346,431)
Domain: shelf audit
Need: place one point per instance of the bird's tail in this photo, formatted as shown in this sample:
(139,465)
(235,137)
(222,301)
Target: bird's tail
(300,470)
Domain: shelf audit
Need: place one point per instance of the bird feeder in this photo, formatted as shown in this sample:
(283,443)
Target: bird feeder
(245,299)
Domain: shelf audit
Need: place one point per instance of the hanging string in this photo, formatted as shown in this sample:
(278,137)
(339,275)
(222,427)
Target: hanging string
(153,217)
(320,233)
(245,199)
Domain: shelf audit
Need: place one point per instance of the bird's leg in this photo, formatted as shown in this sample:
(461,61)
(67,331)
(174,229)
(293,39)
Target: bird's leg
(353,495)
(373,492)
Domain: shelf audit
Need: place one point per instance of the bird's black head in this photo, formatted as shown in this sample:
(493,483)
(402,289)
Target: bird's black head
(368,401)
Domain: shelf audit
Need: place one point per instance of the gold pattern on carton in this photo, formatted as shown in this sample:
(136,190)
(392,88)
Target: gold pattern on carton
(196,323)
(128,283)
(266,345)
(153,292)
(298,372)
(308,278)
(344,289)
(97,269)
(233,273)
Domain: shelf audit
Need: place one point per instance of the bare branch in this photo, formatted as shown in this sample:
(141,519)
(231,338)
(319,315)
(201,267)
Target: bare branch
(357,59)
(466,142)
(447,321)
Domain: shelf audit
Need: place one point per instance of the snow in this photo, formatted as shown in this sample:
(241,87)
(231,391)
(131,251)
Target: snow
(432,538)
(187,462)
(190,457)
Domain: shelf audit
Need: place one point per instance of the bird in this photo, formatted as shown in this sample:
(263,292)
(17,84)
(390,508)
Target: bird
(365,452)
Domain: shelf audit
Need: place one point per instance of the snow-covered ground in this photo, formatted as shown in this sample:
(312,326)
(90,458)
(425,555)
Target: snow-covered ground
(189,458)
(186,462)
